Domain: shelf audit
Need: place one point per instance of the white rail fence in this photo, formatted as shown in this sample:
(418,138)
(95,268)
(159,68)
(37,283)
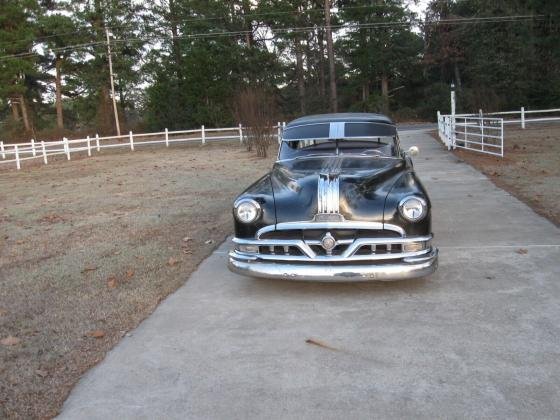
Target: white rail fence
(521,117)
(17,153)
(484,132)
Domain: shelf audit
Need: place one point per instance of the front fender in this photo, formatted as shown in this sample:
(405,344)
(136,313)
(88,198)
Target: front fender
(408,184)
(261,192)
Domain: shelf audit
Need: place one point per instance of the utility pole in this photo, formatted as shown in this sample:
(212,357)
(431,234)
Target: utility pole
(112,84)
(330,53)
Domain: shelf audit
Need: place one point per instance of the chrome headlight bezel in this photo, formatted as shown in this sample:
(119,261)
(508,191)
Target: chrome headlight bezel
(407,200)
(247,201)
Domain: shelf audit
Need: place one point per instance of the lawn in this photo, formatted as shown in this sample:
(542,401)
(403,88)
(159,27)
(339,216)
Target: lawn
(91,246)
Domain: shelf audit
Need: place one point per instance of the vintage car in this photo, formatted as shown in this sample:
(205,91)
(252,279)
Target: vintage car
(342,203)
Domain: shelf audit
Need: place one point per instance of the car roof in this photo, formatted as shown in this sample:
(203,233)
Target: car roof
(341,117)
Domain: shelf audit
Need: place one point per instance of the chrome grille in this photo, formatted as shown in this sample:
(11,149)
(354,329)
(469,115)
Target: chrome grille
(306,245)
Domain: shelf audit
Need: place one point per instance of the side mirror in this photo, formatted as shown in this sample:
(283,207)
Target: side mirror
(413,151)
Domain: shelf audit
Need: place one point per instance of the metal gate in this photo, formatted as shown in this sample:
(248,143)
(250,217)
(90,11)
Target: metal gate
(479,134)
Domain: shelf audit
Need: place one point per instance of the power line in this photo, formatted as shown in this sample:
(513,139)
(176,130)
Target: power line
(202,19)
(373,25)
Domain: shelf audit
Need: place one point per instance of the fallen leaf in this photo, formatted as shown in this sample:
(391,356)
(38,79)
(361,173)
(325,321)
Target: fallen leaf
(187,251)
(111,282)
(51,218)
(172,262)
(522,251)
(186,239)
(42,373)
(130,274)
(89,268)
(209,241)
(10,341)
(96,334)
(3,312)
(319,344)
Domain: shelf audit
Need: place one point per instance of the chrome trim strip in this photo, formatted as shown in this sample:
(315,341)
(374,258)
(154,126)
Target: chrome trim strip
(329,258)
(328,194)
(336,130)
(330,225)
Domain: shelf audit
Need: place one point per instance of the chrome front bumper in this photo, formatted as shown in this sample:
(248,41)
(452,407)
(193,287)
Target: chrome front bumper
(352,271)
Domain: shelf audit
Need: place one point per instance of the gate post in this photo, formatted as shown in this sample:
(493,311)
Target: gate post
(523,117)
(452,115)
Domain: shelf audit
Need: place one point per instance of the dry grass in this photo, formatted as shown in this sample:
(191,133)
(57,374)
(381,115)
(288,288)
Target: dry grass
(530,169)
(90,247)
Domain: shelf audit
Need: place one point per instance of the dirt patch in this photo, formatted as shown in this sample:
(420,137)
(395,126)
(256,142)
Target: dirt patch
(530,169)
(88,248)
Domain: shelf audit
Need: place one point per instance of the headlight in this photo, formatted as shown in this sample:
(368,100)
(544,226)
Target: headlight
(413,208)
(247,210)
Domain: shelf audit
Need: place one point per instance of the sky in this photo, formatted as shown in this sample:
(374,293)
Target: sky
(419,6)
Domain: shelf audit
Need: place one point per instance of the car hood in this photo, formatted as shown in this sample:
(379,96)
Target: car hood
(364,182)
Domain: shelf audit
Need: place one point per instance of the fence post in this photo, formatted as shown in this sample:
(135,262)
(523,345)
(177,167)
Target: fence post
(466,132)
(18,165)
(203,135)
(502,136)
(97,142)
(166,138)
(44,152)
(240,134)
(2,150)
(131,137)
(33,148)
(66,147)
(523,117)
(88,146)
(482,133)
(279,132)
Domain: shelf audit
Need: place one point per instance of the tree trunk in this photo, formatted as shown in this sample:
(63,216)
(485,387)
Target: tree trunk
(385,92)
(330,53)
(249,39)
(300,74)
(24,113)
(322,86)
(175,40)
(58,86)
(15,110)
(365,91)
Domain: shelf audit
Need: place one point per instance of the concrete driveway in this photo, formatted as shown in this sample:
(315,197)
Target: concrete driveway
(480,338)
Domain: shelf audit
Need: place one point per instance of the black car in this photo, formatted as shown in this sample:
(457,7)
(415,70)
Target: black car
(342,203)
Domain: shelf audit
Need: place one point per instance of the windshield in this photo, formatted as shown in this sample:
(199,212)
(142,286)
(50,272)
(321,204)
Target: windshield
(380,146)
